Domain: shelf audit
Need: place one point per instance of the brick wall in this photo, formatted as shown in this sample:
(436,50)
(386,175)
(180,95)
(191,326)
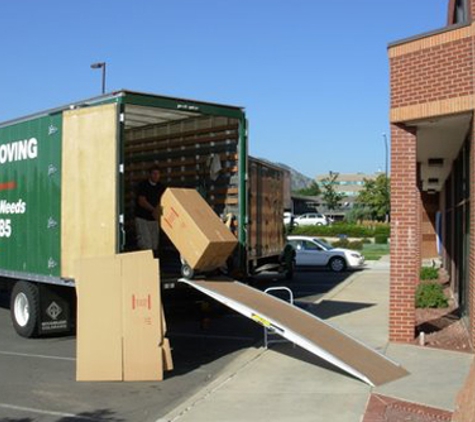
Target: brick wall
(435,73)
(405,234)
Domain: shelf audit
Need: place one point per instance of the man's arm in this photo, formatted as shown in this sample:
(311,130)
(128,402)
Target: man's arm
(142,201)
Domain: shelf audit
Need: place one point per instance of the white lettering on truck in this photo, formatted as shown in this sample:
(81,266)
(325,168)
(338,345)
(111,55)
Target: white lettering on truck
(19,150)
(18,207)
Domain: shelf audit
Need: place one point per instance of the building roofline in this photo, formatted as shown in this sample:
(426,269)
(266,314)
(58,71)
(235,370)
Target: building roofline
(429,34)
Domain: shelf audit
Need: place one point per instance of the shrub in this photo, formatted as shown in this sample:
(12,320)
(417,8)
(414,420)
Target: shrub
(342,243)
(380,239)
(431,295)
(356,245)
(342,229)
(429,273)
(334,230)
(384,229)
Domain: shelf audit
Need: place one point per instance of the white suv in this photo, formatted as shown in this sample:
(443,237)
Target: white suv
(311,219)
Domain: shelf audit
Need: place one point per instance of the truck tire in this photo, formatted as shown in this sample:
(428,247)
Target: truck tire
(25,308)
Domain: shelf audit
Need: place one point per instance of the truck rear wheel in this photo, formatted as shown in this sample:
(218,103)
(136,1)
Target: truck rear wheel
(25,309)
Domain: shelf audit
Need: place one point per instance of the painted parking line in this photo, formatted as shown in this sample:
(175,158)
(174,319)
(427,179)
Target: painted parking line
(28,355)
(47,412)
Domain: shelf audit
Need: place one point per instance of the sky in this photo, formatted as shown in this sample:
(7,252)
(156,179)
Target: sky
(313,75)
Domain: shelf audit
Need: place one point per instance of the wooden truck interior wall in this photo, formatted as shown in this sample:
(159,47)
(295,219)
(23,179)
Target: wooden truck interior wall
(266,202)
(191,151)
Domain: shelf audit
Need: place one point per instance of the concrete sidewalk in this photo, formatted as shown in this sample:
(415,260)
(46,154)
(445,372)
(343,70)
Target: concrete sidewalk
(286,383)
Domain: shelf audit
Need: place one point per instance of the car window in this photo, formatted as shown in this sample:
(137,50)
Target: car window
(310,246)
(324,244)
(295,244)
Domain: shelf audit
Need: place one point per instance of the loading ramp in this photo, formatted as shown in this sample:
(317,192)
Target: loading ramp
(303,329)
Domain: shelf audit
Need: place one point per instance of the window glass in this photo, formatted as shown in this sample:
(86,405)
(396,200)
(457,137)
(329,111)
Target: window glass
(310,246)
(461,13)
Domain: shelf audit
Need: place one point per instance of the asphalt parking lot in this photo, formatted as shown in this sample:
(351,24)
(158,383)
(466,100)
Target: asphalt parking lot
(38,375)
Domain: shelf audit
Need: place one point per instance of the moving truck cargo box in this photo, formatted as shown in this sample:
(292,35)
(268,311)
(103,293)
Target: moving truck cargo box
(194,228)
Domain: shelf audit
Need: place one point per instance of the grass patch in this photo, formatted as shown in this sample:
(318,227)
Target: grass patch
(373,252)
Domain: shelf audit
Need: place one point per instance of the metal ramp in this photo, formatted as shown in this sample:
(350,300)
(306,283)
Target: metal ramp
(303,329)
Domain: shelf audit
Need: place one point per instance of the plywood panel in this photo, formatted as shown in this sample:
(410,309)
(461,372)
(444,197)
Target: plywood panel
(99,322)
(89,190)
(142,316)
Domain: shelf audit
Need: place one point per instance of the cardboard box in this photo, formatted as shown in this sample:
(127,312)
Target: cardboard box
(120,319)
(99,320)
(197,232)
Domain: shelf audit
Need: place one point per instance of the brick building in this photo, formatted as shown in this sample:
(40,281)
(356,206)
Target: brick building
(432,164)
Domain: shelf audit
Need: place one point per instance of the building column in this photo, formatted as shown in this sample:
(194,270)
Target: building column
(405,234)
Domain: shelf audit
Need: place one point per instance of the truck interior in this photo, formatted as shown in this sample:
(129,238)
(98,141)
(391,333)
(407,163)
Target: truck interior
(192,151)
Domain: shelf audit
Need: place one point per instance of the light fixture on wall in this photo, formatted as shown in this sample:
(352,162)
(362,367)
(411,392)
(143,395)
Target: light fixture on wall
(435,162)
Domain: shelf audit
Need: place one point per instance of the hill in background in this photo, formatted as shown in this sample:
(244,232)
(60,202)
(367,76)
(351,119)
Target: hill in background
(298,180)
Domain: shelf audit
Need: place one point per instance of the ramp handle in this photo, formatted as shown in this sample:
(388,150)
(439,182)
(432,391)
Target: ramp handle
(267,332)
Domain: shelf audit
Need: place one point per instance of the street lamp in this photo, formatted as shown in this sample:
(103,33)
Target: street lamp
(101,65)
(386,172)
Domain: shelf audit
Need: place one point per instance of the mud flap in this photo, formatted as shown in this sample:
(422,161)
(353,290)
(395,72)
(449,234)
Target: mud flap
(55,309)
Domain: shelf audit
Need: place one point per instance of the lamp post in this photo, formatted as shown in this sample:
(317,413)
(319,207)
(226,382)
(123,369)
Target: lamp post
(385,138)
(101,65)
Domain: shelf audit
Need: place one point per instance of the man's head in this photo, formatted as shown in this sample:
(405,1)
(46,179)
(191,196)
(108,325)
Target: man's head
(154,174)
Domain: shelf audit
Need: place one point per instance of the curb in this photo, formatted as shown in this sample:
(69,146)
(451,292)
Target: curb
(227,374)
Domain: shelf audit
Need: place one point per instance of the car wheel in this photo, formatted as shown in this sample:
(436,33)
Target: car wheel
(337,264)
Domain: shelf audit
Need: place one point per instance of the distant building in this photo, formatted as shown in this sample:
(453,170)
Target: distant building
(350,184)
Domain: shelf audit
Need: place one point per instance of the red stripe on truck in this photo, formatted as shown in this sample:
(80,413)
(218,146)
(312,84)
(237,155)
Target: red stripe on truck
(8,186)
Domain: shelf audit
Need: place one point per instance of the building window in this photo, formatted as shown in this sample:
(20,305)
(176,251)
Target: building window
(461,11)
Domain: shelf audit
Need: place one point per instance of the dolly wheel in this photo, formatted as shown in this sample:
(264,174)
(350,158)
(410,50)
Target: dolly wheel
(187,271)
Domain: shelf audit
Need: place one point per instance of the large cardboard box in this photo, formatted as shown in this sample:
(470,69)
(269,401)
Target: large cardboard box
(99,320)
(197,232)
(120,335)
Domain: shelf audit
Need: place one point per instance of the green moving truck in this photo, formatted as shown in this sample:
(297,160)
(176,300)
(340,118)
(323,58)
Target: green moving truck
(67,181)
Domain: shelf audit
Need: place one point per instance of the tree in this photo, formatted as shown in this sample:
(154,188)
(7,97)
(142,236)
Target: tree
(312,190)
(331,198)
(375,197)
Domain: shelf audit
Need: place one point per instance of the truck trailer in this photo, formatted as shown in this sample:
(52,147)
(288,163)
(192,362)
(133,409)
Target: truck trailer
(67,182)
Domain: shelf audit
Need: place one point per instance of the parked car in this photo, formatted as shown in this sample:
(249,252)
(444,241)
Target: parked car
(313,252)
(311,219)
(288,218)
